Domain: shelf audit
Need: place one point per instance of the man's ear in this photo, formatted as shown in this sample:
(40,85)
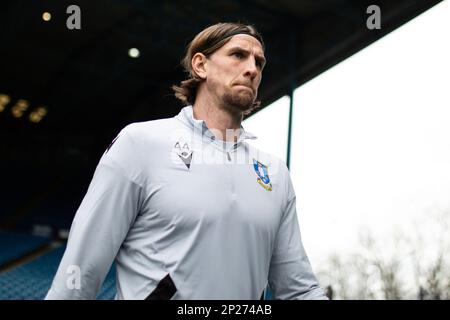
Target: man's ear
(198,63)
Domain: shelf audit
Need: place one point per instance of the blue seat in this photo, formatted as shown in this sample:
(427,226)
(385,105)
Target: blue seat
(33,280)
(16,245)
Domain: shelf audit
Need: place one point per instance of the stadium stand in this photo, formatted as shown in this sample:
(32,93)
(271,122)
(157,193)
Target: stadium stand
(15,245)
(32,280)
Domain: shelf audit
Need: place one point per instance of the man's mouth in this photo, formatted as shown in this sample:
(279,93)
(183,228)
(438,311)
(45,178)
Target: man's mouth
(245,86)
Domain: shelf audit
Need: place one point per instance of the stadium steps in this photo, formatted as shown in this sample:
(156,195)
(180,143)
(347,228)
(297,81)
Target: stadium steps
(16,248)
(29,275)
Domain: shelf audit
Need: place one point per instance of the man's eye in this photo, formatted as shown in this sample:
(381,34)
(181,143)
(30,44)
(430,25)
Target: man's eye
(238,55)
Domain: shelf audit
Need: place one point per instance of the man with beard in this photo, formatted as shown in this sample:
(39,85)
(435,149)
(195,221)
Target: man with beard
(185,206)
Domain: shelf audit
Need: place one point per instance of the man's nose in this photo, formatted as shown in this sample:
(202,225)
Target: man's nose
(251,69)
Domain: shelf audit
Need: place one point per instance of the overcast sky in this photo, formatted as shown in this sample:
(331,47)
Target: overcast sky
(371,137)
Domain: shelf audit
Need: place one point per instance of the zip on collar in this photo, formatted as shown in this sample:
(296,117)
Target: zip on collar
(186,116)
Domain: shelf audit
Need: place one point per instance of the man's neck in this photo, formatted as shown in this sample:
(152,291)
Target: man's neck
(222,122)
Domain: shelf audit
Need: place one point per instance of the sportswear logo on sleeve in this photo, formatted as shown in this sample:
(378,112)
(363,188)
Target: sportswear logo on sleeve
(263,175)
(184,152)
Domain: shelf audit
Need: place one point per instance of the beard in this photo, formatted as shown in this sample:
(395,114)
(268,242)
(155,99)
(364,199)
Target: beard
(240,101)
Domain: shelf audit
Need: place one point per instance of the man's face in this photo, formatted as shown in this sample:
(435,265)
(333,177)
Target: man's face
(234,71)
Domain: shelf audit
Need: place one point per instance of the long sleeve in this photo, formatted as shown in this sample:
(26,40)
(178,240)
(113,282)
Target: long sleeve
(101,223)
(290,275)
